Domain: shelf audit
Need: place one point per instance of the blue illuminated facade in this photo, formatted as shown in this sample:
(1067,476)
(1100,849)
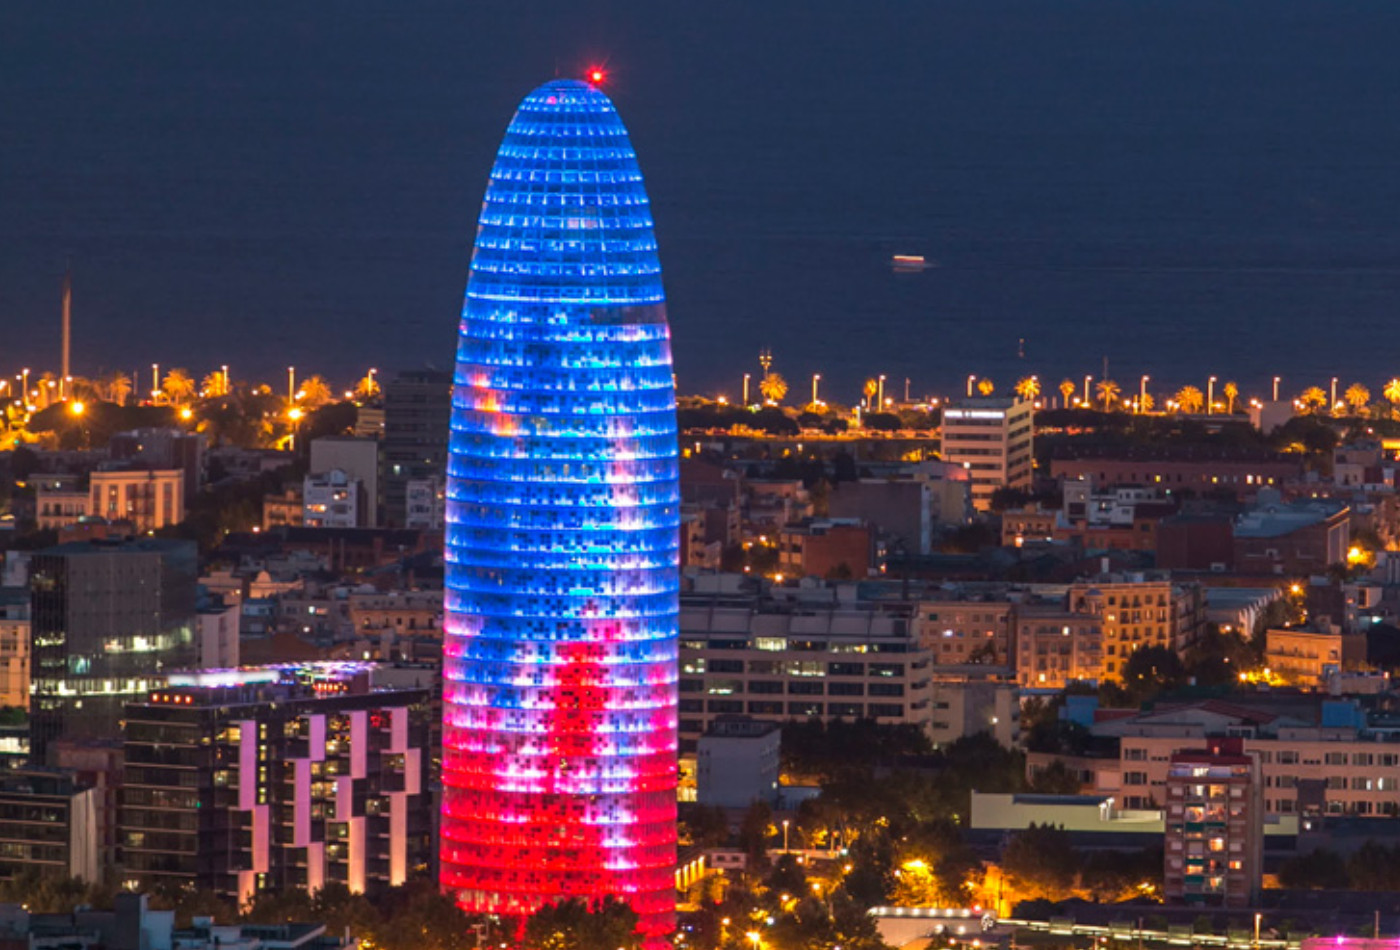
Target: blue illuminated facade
(559,732)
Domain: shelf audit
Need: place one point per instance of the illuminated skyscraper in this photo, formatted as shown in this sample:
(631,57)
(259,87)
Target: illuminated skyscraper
(559,724)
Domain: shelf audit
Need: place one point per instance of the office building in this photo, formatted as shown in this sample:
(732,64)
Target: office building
(109,619)
(250,780)
(563,532)
(417,414)
(771,660)
(992,439)
(49,825)
(1214,842)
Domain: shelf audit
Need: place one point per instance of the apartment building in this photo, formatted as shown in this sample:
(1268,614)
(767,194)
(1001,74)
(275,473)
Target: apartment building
(149,499)
(773,660)
(959,626)
(1316,757)
(241,781)
(1056,647)
(1139,610)
(1214,840)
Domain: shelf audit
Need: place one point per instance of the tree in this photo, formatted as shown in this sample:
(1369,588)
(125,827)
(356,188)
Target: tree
(1146,403)
(1190,399)
(1040,863)
(178,386)
(773,387)
(1232,392)
(1313,398)
(871,388)
(1108,391)
(213,386)
(314,392)
(1322,869)
(118,388)
(367,387)
(1067,390)
(985,386)
(1028,387)
(1152,670)
(1357,397)
(1392,393)
(605,924)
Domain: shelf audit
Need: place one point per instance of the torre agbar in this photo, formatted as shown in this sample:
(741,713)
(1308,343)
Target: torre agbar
(559,732)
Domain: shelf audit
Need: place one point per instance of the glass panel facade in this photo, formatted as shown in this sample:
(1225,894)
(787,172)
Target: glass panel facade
(560,690)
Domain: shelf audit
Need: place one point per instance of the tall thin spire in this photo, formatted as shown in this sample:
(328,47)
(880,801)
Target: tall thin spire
(67,326)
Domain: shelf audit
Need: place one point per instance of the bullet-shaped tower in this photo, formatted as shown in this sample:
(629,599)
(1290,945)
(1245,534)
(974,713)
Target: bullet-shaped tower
(559,731)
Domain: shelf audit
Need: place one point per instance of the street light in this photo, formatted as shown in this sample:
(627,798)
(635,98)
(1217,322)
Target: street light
(291,384)
(816,378)
(785,835)
(1276,379)
(1332,406)
(882,392)
(970,380)
(1142,391)
(1210,395)
(746,390)
(1087,401)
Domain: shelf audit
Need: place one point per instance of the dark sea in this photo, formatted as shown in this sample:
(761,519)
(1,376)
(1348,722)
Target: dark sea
(1183,187)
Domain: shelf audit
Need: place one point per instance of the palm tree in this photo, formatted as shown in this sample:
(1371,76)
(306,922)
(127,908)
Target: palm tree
(314,392)
(1146,403)
(1067,390)
(1107,391)
(1392,391)
(1028,387)
(178,386)
(1232,392)
(367,387)
(871,388)
(1313,398)
(1357,396)
(773,387)
(1190,399)
(213,385)
(118,388)
(985,386)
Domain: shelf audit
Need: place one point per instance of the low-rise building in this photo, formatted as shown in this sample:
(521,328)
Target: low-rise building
(1309,655)
(737,762)
(1294,539)
(425,503)
(333,500)
(826,548)
(971,700)
(149,498)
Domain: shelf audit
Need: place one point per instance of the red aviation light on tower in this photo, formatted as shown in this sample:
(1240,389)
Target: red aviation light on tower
(597,75)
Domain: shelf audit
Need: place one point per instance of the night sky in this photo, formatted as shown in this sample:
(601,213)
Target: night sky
(1187,187)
